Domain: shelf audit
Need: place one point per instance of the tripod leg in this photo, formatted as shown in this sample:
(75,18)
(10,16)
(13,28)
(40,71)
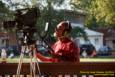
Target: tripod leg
(23,49)
(32,69)
(38,68)
(19,65)
(37,63)
(33,63)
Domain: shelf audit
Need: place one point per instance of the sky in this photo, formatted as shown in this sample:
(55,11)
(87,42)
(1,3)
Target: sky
(8,2)
(66,5)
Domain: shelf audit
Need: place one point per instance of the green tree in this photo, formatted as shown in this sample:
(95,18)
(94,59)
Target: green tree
(79,32)
(47,13)
(5,13)
(102,10)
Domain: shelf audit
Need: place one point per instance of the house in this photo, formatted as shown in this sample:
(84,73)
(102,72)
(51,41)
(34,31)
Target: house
(7,39)
(3,39)
(95,38)
(109,37)
(77,19)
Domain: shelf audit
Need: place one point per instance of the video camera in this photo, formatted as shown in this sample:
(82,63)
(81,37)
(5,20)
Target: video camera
(24,23)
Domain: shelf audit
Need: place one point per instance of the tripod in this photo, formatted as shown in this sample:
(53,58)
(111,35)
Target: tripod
(31,49)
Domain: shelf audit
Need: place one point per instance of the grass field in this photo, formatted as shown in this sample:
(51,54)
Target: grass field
(97,59)
(16,60)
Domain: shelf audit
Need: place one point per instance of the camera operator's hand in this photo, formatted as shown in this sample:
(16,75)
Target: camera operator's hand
(46,59)
(39,56)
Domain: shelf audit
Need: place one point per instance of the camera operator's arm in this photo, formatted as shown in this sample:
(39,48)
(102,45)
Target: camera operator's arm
(46,59)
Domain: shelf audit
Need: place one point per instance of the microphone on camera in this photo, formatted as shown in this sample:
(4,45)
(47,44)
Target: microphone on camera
(46,26)
(45,31)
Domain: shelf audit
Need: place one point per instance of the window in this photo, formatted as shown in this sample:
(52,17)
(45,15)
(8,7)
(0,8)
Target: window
(113,43)
(96,41)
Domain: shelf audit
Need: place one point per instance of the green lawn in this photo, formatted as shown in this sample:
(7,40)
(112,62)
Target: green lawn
(16,60)
(97,59)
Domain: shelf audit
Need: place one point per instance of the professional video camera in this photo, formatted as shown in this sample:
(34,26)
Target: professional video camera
(24,23)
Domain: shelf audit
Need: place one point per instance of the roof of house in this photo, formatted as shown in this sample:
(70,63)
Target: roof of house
(90,32)
(108,33)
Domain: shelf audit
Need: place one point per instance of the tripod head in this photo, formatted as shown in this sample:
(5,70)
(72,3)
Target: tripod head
(28,36)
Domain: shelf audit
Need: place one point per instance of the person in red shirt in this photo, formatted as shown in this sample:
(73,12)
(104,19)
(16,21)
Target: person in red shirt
(65,50)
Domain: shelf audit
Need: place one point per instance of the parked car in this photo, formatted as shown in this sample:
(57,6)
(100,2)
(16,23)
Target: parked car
(11,50)
(87,50)
(104,51)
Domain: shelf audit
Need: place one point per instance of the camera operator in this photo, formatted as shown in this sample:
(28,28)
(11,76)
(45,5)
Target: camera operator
(64,49)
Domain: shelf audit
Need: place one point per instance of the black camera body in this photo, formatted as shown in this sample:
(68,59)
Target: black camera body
(24,23)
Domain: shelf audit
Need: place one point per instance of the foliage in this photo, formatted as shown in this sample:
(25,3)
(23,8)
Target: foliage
(47,14)
(79,32)
(5,13)
(102,10)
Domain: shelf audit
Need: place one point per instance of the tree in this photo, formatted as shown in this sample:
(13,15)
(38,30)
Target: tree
(106,9)
(79,32)
(47,13)
(5,13)
(102,10)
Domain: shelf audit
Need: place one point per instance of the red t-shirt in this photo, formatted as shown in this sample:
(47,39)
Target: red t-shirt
(66,50)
